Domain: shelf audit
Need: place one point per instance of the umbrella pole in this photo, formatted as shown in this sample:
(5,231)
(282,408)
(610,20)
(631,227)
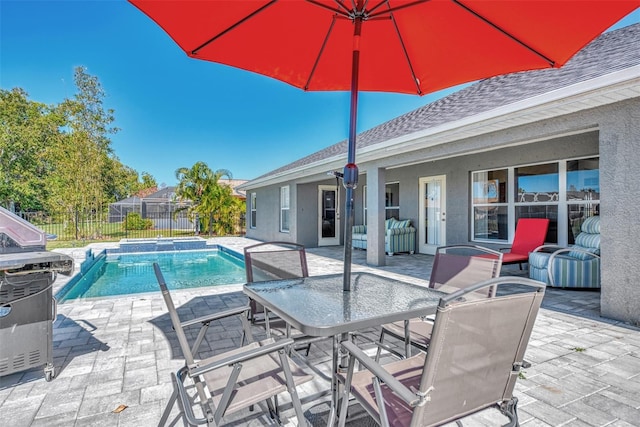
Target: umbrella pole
(350,177)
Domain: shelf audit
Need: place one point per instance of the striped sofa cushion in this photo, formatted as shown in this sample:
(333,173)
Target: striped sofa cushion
(570,273)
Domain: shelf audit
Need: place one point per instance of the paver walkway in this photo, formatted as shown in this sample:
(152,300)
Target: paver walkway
(120,351)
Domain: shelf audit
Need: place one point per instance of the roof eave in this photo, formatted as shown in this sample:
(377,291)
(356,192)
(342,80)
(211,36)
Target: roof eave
(607,89)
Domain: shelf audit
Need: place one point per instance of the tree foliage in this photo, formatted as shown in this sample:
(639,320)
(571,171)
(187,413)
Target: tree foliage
(27,130)
(59,157)
(212,201)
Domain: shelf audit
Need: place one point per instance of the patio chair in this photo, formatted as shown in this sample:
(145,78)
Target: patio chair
(454,267)
(473,361)
(273,261)
(530,233)
(233,380)
(577,266)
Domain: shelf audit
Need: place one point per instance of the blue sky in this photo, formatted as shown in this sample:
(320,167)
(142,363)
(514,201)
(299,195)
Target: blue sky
(172,110)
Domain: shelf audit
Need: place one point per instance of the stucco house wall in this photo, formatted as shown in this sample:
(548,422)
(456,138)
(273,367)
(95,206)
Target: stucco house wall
(620,224)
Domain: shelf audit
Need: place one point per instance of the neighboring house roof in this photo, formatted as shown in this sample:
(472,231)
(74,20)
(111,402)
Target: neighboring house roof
(134,200)
(162,195)
(146,191)
(169,193)
(612,61)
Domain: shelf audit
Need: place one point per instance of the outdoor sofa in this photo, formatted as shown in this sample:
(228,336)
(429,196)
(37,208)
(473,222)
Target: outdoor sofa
(400,236)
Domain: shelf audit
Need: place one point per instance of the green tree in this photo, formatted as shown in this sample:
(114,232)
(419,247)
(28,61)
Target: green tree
(27,130)
(201,186)
(58,158)
(81,181)
(229,211)
(148,181)
(123,181)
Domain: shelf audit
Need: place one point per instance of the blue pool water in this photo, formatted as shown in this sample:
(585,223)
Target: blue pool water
(125,274)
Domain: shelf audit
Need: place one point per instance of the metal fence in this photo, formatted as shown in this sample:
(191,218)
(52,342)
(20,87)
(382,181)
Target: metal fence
(101,226)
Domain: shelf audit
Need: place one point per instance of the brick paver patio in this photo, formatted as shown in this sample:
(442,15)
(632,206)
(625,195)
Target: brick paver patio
(119,351)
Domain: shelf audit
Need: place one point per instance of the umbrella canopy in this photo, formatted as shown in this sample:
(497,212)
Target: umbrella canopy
(404,46)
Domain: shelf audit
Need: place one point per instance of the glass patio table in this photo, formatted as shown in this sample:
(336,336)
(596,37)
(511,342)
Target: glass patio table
(317,306)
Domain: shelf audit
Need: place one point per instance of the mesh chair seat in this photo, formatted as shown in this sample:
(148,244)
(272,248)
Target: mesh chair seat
(257,381)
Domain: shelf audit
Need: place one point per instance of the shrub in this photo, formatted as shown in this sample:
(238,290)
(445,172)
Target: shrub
(134,221)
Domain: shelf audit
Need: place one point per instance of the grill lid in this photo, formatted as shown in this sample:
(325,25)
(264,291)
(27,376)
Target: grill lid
(18,235)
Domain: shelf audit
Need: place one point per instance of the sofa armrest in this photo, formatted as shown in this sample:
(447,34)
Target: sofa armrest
(359,229)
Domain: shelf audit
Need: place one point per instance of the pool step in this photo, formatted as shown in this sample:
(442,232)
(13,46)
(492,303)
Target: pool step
(165,246)
(160,244)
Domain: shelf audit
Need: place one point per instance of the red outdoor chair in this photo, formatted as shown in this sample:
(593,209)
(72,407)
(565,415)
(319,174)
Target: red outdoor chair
(530,233)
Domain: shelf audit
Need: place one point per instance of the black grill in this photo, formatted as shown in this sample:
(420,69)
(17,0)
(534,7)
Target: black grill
(27,306)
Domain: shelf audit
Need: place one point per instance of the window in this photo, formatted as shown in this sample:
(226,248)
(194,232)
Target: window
(583,193)
(538,190)
(566,192)
(284,209)
(254,211)
(391,201)
(489,192)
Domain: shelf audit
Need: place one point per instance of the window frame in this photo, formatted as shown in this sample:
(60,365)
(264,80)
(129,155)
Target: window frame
(285,209)
(387,208)
(253,217)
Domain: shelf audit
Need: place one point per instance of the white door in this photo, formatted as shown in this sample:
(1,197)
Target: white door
(328,216)
(433,225)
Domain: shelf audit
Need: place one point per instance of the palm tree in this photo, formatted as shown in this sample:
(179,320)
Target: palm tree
(200,185)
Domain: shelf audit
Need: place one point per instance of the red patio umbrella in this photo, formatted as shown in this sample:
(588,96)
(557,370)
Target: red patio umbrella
(404,46)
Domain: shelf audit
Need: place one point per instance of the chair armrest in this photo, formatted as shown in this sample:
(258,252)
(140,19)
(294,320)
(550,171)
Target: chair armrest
(378,370)
(394,231)
(242,356)
(216,316)
(547,248)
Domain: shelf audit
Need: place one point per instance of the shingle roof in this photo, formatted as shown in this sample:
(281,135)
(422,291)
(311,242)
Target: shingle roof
(610,52)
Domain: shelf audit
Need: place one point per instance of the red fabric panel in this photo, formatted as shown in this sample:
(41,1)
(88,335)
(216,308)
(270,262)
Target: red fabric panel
(511,258)
(530,233)
(445,43)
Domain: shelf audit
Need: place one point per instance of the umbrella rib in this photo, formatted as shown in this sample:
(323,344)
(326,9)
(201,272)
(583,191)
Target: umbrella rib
(390,10)
(332,9)
(406,55)
(324,44)
(551,62)
(240,22)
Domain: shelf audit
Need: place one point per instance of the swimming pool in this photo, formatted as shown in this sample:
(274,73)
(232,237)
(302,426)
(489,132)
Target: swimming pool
(124,274)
